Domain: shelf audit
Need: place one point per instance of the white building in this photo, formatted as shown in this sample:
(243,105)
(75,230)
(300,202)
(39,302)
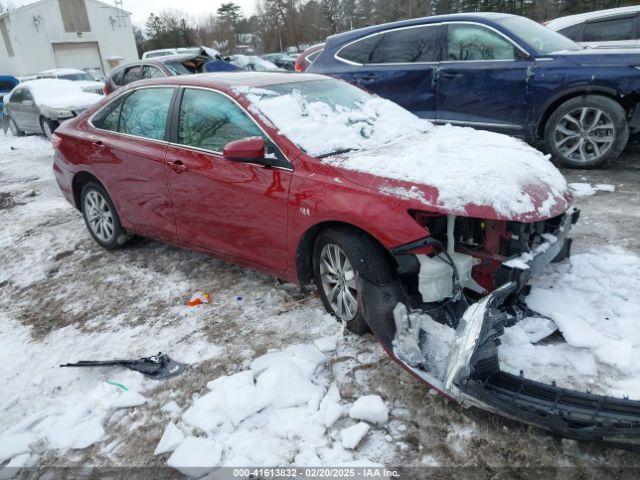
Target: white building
(84,34)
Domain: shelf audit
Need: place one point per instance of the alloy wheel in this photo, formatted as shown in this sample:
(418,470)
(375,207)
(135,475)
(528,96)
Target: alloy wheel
(338,279)
(584,135)
(14,128)
(99,216)
(47,129)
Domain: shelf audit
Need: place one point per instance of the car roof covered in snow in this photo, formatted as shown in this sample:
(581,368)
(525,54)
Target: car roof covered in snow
(226,80)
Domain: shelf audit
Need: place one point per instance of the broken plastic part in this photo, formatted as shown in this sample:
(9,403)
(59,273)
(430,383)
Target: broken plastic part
(157,367)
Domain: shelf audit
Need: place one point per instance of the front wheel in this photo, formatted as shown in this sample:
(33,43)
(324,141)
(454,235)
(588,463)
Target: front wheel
(341,257)
(587,132)
(48,127)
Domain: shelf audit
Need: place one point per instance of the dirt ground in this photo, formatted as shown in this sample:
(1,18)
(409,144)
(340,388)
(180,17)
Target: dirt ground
(54,278)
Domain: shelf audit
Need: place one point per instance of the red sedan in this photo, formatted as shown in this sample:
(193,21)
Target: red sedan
(310,179)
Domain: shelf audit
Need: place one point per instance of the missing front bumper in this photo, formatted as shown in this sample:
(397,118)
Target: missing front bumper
(471,375)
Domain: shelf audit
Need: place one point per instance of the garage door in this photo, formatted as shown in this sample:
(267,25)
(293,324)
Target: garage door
(77,55)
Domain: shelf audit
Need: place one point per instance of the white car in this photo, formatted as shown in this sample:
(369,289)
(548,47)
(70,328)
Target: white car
(613,28)
(83,79)
(181,51)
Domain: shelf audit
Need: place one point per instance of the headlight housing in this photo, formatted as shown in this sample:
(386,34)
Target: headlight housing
(56,113)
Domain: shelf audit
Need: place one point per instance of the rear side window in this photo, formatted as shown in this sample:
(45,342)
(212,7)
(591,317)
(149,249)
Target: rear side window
(131,74)
(312,56)
(209,120)
(574,32)
(610,30)
(117,77)
(408,45)
(474,43)
(110,119)
(359,51)
(17,95)
(144,113)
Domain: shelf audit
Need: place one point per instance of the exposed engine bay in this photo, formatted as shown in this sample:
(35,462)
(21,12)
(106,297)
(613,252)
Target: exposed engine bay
(438,321)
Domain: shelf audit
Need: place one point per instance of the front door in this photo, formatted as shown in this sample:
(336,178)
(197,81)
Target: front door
(128,152)
(401,67)
(236,210)
(483,80)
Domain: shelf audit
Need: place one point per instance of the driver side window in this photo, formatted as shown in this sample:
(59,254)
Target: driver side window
(209,120)
(476,43)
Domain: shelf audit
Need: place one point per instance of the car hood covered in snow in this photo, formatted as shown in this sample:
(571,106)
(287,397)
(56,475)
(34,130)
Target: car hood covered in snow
(380,145)
(462,171)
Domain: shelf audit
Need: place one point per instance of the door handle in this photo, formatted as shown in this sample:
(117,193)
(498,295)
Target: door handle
(451,74)
(177,166)
(98,144)
(368,77)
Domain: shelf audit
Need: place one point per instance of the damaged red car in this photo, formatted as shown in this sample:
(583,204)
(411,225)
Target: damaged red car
(403,226)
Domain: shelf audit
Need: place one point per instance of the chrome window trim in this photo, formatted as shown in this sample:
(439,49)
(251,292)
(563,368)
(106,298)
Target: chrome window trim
(457,22)
(382,32)
(246,112)
(116,99)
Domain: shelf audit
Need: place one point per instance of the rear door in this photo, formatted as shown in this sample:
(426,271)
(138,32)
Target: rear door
(30,112)
(401,67)
(483,80)
(232,209)
(128,152)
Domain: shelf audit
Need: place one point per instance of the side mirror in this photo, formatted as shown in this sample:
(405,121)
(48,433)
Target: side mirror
(247,150)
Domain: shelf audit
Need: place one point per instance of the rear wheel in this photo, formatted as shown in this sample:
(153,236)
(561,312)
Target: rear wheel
(15,130)
(101,217)
(587,132)
(341,257)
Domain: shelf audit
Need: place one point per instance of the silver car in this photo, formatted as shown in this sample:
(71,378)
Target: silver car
(39,106)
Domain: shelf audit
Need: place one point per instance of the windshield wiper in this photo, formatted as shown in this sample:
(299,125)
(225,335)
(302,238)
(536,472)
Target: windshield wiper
(335,152)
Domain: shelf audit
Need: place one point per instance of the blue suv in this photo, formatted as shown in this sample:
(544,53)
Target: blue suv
(498,72)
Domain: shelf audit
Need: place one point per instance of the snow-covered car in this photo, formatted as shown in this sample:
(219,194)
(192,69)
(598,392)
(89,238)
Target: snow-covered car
(84,79)
(213,53)
(254,63)
(40,106)
(407,229)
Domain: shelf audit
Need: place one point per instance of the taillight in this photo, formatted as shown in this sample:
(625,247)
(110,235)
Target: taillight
(56,140)
(105,89)
(298,67)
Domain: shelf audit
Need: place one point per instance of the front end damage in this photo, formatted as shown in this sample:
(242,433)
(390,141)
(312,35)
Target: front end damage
(452,344)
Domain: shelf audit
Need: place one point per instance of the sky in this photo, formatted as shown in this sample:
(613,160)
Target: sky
(141,9)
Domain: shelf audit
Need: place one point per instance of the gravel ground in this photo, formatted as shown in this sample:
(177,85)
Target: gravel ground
(55,280)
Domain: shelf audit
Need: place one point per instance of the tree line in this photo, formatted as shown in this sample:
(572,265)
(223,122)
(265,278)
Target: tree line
(278,24)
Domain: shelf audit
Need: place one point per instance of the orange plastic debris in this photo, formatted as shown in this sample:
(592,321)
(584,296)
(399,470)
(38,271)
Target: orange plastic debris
(199,298)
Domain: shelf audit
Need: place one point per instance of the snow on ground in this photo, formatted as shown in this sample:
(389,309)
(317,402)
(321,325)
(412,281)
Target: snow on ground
(594,300)
(580,189)
(467,166)
(63,299)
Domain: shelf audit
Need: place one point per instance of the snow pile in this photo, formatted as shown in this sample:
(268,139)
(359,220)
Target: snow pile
(466,166)
(77,426)
(587,190)
(55,93)
(595,304)
(279,412)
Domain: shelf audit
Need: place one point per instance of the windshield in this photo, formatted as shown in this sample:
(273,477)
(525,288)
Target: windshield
(544,40)
(325,117)
(76,76)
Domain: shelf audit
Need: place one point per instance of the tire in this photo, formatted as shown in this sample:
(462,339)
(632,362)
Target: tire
(587,132)
(48,127)
(100,216)
(15,130)
(367,259)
